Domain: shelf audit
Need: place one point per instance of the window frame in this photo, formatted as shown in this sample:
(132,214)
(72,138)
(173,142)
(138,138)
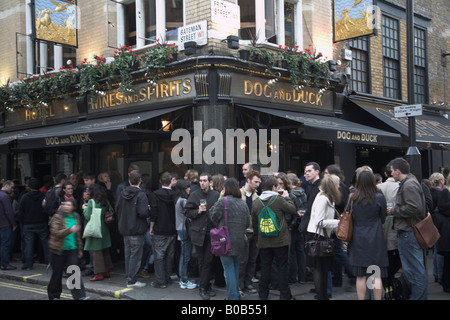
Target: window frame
(391,59)
(279,23)
(423,67)
(361,46)
(141,27)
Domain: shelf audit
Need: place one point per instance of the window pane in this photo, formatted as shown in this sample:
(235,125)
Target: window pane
(289,23)
(150,21)
(174,19)
(270,21)
(130,32)
(391,63)
(247,30)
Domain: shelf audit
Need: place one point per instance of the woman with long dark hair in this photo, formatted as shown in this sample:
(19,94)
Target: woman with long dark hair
(99,246)
(368,246)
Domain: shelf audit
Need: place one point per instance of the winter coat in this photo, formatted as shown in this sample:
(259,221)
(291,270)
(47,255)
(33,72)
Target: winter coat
(313,191)
(251,197)
(281,206)
(322,210)
(201,224)
(410,206)
(132,212)
(441,219)
(389,189)
(163,212)
(6,210)
(368,246)
(104,242)
(59,232)
(30,208)
(238,221)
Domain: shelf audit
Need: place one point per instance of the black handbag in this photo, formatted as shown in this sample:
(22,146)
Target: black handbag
(320,246)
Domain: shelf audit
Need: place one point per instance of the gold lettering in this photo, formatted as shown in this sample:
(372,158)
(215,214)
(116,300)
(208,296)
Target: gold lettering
(177,83)
(187,86)
(267,94)
(248,87)
(164,89)
(319,99)
(310,99)
(258,89)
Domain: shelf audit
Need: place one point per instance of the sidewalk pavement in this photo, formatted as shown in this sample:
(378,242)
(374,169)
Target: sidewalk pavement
(115,286)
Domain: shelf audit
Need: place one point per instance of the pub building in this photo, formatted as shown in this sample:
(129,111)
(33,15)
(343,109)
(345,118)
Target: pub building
(215,98)
(111,131)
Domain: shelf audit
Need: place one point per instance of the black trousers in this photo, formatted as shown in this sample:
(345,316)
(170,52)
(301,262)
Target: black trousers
(58,264)
(205,262)
(279,255)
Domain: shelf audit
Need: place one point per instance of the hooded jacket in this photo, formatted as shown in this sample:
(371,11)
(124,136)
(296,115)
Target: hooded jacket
(441,219)
(30,208)
(132,212)
(163,212)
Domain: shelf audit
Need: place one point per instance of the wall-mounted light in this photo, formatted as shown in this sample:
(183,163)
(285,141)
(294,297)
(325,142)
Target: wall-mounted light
(165,125)
(233,42)
(190,48)
(332,65)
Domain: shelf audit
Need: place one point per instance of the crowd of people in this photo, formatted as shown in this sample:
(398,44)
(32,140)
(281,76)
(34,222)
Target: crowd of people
(167,231)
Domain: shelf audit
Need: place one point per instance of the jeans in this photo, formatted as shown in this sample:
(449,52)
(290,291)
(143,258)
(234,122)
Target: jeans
(147,251)
(5,245)
(280,256)
(438,265)
(247,263)
(59,262)
(231,273)
(133,246)
(413,264)
(164,251)
(185,254)
(341,261)
(29,230)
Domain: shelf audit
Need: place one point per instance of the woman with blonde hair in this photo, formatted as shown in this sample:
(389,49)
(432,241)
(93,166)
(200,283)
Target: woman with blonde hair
(323,213)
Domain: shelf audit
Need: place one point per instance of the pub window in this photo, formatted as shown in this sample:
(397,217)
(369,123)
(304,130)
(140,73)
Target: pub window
(360,64)
(420,70)
(111,160)
(271,21)
(145,21)
(391,57)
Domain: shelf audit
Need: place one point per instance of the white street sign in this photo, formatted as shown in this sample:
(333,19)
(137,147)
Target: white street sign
(412,110)
(197,32)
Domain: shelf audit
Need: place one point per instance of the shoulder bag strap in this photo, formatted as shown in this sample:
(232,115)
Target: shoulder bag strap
(226,211)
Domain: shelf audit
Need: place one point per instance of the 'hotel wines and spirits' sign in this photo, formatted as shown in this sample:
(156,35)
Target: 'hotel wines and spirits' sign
(167,90)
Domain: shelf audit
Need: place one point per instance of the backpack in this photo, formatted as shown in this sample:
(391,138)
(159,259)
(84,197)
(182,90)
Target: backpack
(399,290)
(267,220)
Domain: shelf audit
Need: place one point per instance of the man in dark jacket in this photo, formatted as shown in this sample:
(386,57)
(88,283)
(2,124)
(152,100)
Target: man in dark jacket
(200,228)
(132,213)
(35,222)
(410,207)
(163,230)
(7,225)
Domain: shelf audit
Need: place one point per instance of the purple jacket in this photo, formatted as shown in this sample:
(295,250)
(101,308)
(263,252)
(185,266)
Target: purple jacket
(6,210)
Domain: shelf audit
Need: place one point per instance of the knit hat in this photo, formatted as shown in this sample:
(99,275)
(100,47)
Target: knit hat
(33,183)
